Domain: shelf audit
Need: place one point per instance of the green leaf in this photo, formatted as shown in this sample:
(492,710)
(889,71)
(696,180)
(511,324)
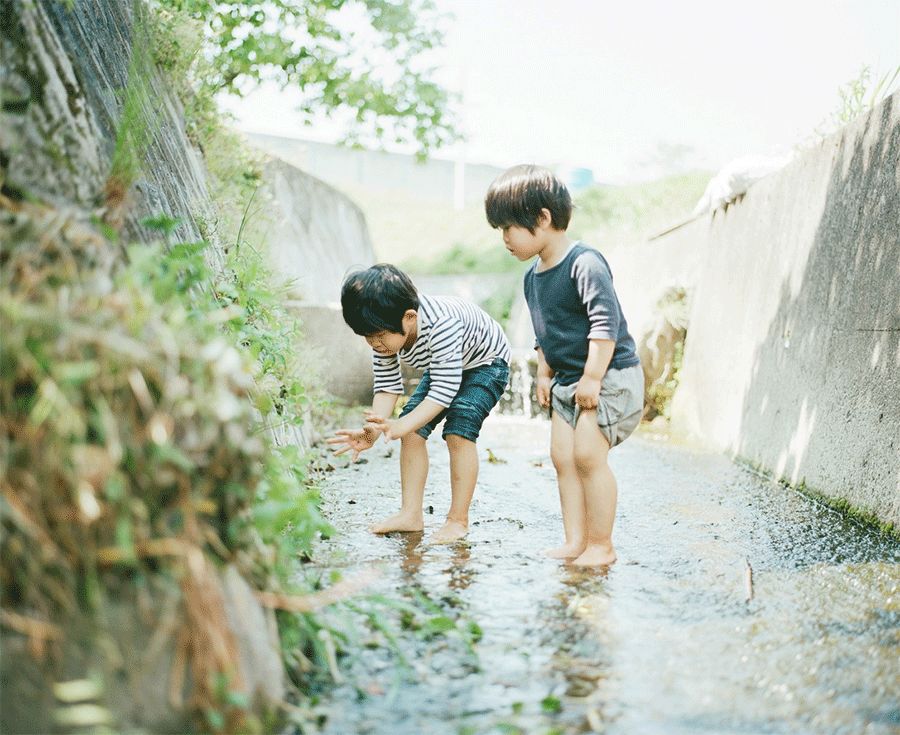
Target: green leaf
(551,704)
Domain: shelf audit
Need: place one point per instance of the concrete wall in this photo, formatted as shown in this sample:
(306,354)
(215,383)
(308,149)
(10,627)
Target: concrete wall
(378,171)
(792,359)
(343,356)
(64,74)
(644,272)
(313,233)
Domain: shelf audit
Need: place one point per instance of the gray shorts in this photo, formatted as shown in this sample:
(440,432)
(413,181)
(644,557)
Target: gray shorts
(620,404)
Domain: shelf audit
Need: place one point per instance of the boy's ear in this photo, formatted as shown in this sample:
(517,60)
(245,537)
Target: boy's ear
(545,219)
(409,316)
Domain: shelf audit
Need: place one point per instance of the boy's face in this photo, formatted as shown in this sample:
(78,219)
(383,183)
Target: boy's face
(386,343)
(521,242)
(390,343)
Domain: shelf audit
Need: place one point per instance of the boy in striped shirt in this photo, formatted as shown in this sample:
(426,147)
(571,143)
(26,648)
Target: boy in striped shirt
(465,356)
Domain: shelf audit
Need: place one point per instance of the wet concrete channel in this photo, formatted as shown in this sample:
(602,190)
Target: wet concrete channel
(678,637)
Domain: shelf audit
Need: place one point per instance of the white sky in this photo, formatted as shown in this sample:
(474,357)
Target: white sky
(602,83)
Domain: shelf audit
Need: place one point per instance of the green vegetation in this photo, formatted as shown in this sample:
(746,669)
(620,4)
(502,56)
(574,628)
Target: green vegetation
(459,259)
(858,96)
(434,239)
(608,216)
(662,351)
(130,443)
(139,385)
(374,78)
(137,122)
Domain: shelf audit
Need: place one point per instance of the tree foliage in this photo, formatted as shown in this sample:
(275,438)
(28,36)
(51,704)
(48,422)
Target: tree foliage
(362,60)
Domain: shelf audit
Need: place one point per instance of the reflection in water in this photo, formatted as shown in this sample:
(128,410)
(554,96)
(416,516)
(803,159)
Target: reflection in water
(459,571)
(410,548)
(583,646)
(450,560)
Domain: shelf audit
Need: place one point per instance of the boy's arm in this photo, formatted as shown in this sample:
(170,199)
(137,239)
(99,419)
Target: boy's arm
(383,403)
(593,281)
(415,419)
(600,352)
(398,428)
(544,377)
(445,369)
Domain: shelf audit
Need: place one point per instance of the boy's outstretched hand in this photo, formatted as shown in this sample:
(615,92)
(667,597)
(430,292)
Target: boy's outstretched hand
(379,424)
(353,440)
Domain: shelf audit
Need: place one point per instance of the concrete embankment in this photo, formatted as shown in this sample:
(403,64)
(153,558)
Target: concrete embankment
(792,360)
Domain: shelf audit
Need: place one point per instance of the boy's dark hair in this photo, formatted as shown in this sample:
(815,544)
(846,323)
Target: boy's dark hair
(517,196)
(375,299)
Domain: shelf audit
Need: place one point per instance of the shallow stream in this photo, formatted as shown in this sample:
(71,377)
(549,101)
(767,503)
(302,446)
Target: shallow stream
(736,606)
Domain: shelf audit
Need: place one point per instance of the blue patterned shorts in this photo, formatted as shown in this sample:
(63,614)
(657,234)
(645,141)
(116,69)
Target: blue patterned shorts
(479,392)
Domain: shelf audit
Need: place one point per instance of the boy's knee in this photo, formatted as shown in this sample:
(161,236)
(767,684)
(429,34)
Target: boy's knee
(412,438)
(455,441)
(588,459)
(563,462)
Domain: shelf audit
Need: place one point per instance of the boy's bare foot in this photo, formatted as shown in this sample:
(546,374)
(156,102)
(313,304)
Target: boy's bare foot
(566,551)
(404,522)
(448,533)
(596,555)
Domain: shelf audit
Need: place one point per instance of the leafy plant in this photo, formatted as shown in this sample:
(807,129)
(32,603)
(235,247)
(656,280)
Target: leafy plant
(859,95)
(138,119)
(358,59)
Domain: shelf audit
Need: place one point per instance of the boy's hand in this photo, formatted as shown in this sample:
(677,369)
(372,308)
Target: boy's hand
(353,440)
(543,391)
(379,424)
(586,392)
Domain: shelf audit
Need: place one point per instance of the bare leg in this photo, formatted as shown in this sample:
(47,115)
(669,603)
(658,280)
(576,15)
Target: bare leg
(463,476)
(600,491)
(413,474)
(571,494)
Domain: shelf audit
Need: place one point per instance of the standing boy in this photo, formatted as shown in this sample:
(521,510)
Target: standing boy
(466,360)
(588,370)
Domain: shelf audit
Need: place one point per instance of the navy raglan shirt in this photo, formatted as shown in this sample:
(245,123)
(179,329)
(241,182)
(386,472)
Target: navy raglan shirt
(571,303)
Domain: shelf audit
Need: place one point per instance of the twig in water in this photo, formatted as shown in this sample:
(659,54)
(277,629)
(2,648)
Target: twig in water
(748,581)
(317,600)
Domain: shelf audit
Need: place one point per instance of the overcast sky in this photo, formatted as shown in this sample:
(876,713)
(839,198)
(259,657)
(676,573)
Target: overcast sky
(603,84)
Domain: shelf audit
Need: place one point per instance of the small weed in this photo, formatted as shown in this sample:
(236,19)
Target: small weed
(551,704)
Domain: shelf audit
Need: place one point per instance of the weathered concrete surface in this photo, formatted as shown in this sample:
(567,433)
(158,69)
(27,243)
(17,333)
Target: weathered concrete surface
(807,384)
(344,357)
(645,271)
(792,359)
(314,234)
(378,171)
(65,72)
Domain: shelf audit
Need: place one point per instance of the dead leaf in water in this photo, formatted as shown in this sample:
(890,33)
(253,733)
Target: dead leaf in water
(494,459)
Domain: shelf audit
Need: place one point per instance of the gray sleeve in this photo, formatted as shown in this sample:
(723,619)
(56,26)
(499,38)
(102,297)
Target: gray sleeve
(593,281)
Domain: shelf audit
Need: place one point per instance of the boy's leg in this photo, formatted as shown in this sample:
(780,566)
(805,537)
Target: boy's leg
(571,493)
(463,476)
(479,391)
(591,452)
(413,474)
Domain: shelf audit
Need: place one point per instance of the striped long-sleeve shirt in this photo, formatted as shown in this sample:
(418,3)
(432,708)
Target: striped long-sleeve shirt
(453,335)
